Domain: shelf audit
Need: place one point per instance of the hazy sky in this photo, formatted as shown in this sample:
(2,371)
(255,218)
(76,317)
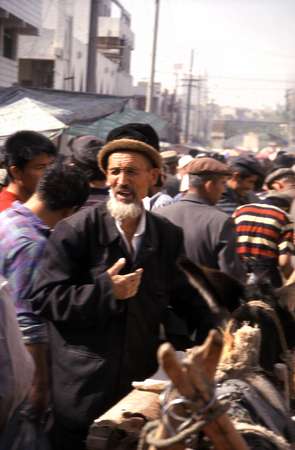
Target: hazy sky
(246,47)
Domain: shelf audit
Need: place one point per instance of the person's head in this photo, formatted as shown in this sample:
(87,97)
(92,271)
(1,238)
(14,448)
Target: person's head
(132,166)
(170,161)
(62,187)
(246,174)
(207,178)
(280,179)
(26,156)
(281,199)
(283,160)
(183,162)
(84,155)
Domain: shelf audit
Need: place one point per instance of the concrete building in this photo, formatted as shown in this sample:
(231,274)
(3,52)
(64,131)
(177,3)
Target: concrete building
(115,43)
(58,58)
(140,93)
(17,17)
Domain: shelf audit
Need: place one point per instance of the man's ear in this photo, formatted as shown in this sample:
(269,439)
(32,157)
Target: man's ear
(15,173)
(155,172)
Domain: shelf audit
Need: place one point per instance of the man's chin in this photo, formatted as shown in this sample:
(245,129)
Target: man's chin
(125,208)
(126,200)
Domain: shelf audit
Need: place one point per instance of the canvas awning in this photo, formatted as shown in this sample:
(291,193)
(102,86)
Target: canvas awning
(68,106)
(102,127)
(25,114)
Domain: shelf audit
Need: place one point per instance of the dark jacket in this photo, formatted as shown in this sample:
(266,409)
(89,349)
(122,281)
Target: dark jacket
(99,345)
(230,200)
(209,234)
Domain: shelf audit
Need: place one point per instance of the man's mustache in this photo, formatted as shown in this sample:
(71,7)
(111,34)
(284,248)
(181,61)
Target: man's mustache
(124,189)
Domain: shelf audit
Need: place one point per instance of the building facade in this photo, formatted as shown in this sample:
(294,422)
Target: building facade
(115,42)
(17,18)
(58,58)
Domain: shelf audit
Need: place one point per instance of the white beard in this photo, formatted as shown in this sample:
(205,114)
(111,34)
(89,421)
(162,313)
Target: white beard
(121,211)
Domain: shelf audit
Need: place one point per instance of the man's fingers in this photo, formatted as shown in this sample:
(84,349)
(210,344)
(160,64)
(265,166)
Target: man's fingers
(139,271)
(117,267)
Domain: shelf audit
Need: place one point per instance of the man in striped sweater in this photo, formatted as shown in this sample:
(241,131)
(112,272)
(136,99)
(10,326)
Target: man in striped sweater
(265,236)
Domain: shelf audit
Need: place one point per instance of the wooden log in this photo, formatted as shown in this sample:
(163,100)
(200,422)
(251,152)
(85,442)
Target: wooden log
(128,415)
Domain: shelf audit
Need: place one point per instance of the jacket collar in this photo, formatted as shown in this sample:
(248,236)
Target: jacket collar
(195,199)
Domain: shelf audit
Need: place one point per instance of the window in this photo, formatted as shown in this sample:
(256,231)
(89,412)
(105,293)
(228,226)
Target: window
(9,43)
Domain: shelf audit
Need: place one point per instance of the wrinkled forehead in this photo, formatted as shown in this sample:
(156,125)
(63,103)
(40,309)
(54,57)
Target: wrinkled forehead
(127,158)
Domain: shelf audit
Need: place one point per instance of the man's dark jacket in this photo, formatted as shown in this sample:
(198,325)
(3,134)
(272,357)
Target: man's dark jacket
(99,345)
(209,234)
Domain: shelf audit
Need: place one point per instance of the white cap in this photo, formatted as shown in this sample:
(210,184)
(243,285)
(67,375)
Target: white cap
(184,184)
(184,160)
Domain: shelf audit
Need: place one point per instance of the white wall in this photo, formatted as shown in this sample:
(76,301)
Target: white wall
(106,71)
(8,72)
(123,84)
(26,10)
(69,60)
(114,26)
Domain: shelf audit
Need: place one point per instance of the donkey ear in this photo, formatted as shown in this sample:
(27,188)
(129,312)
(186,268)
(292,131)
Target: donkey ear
(286,297)
(197,278)
(218,289)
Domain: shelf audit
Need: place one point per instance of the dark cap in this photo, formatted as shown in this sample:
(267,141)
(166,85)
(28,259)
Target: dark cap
(133,137)
(208,166)
(277,175)
(250,163)
(84,147)
(138,131)
(84,154)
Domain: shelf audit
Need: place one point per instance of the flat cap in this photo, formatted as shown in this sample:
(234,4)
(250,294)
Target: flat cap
(248,162)
(278,174)
(208,166)
(85,149)
(169,156)
(133,137)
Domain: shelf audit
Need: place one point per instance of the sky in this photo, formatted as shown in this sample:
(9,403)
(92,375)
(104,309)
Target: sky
(246,48)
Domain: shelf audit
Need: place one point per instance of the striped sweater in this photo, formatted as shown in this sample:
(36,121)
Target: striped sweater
(263,230)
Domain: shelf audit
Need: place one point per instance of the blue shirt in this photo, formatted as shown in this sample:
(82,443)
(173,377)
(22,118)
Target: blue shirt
(22,239)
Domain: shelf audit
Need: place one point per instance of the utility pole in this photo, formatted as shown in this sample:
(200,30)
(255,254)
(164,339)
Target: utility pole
(150,90)
(91,60)
(190,84)
(199,116)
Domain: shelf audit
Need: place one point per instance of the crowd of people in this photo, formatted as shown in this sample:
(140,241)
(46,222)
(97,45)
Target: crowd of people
(90,283)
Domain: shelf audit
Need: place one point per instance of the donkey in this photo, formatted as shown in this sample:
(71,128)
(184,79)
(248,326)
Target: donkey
(258,303)
(256,417)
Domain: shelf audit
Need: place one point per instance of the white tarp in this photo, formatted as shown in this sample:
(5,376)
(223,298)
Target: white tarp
(25,114)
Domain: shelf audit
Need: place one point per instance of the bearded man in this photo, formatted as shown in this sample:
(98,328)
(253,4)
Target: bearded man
(106,282)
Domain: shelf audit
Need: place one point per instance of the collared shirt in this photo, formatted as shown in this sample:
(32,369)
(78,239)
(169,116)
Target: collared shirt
(137,237)
(22,239)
